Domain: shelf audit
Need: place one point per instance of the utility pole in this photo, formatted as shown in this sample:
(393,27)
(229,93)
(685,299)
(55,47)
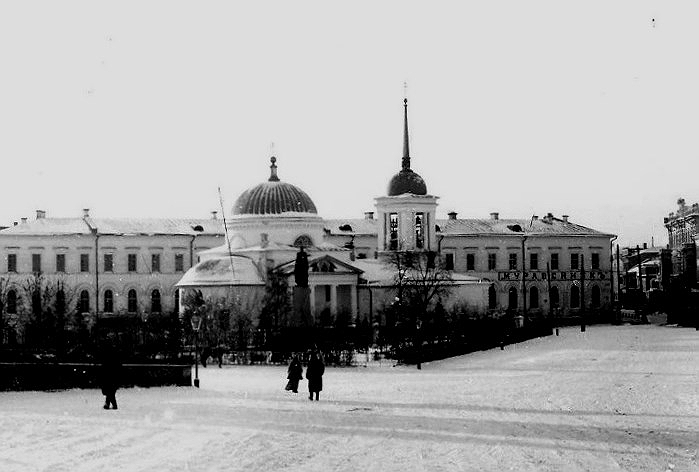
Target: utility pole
(640,282)
(548,285)
(618,289)
(582,293)
(524,285)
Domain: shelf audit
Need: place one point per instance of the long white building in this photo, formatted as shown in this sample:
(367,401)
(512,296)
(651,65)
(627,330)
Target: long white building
(117,267)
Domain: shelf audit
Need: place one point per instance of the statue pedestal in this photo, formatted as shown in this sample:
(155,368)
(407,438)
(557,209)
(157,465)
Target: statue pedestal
(302,308)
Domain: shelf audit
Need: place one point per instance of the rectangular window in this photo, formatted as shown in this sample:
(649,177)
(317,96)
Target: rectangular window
(419,230)
(131,262)
(36,262)
(155,262)
(328,296)
(554,261)
(449,261)
(574,262)
(60,262)
(179,263)
(595,261)
(108,263)
(513,261)
(12,262)
(533,261)
(84,262)
(492,261)
(470,262)
(393,231)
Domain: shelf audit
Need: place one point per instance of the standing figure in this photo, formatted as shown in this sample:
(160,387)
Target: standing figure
(109,378)
(314,374)
(295,373)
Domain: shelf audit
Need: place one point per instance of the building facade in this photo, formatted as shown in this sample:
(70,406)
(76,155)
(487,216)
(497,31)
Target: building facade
(145,266)
(105,266)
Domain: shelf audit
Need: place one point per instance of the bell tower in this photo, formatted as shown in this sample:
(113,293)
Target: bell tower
(407,214)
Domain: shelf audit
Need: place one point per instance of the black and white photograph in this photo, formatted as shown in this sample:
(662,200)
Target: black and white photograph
(364,236)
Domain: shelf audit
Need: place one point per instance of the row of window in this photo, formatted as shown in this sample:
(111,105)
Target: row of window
(513,302)
(108,301)
(575,261)
(108,263)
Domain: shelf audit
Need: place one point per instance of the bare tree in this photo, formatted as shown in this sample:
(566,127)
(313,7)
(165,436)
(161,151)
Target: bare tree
(5,284)
(420,281)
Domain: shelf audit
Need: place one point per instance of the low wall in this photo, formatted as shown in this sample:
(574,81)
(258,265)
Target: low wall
(59,376)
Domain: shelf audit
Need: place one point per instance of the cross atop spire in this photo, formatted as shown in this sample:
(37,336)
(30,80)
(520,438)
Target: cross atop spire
(273,170)
(406,145)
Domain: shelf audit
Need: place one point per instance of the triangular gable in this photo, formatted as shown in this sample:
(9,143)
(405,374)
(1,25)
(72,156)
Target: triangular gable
(317,264)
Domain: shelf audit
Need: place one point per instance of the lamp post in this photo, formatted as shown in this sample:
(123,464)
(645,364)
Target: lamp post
(196,324)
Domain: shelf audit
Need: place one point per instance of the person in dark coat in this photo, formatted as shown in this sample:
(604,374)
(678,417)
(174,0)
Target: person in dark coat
(314,374)
(294,374)
(110,378)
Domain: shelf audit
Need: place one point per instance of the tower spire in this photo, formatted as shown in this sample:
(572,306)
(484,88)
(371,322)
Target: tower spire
(406,145)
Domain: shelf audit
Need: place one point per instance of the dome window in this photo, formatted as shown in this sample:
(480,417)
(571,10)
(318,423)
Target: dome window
(303,241)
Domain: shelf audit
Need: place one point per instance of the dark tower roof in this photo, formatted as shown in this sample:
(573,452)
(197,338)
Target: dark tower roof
(273,197)
(406,181)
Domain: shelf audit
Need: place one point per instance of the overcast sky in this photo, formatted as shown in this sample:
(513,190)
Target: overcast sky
(589,109)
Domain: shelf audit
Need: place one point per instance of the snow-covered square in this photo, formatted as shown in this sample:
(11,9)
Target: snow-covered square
(611,398)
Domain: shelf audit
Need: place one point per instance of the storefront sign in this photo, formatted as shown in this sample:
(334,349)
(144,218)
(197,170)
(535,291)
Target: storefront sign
(556,275)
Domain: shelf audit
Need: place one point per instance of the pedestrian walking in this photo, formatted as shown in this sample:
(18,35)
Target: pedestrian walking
(314,374)
(110,378)
(294,374)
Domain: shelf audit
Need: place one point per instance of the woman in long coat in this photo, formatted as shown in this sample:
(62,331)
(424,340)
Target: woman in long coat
(314,374)
(294,374)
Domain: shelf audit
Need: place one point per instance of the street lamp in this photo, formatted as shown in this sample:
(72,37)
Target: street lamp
(196,324)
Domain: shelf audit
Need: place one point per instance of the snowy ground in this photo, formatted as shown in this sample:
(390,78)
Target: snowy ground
(613,398)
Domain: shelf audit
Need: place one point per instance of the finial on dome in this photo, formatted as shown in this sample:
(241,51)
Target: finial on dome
(406,145)
(273,170)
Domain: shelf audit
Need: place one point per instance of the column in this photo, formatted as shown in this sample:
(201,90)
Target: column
(353,297)
(313,301)
(333,300)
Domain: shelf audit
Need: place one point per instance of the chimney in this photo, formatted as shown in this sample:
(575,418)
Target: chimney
(452,215)
(213,215)
(86,212)
(40,214)
(368,215)
(24,220)
(645,245)
(495,216)
(565,218)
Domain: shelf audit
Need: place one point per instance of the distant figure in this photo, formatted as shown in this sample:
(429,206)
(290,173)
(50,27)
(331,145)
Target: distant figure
(109,378)
(314,374)
(295,373)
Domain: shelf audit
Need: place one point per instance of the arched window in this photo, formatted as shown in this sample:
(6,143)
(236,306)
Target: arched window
(12,302)
(533,297)
(492,297)
(595,296)
(108,301)
(84,301)
(574,297)
(555,299)
(303,241)
(132,301)
(512,299)
(155,301)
